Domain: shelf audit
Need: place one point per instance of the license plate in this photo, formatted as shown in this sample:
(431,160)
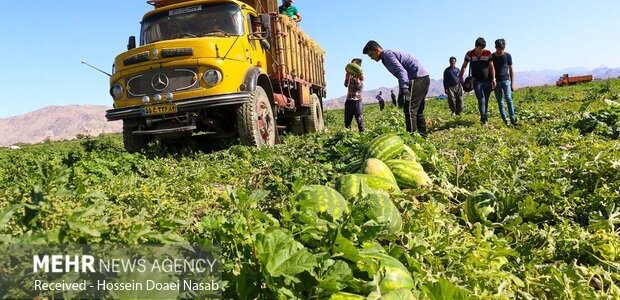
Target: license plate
(160,109)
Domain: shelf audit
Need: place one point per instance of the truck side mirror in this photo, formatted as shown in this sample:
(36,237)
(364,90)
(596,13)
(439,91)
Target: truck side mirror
(132,43)
(265,19)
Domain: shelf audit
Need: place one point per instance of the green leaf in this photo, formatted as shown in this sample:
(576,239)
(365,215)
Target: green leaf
(7,214)
(444,289)
(281,255)
(337,277)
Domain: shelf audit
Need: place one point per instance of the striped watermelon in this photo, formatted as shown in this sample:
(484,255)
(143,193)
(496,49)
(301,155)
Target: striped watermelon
(354,167)
(481,206)
(376,167)
(351,185)
(409,154)
(391,274)
(316,200)
(384,147)
(353,68)
(409,174)
(383,211)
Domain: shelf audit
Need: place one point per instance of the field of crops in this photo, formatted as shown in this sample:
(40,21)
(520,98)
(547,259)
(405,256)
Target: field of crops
(529,212)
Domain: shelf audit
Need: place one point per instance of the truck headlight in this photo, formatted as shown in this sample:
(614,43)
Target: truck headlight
(116,91)
(212,77)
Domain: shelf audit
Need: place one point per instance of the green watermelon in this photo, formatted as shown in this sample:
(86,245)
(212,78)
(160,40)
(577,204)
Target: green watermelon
(400,294)
(382,210)
(316,200)
(481,206)
(409,174)
(376,167)
(353,68)
(384,147)
(391,274)
(354,167)
(409,154)
(346,296)
(350,185)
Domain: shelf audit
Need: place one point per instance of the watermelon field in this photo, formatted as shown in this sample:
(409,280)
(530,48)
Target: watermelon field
(472,212)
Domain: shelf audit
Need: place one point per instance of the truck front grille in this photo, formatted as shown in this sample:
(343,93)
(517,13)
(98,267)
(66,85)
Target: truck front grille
(163,81)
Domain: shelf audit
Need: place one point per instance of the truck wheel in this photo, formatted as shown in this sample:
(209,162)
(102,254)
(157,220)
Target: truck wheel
(314,122)
(133,143)
(256,122)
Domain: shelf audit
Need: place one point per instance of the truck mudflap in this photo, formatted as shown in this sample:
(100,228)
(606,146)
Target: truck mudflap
(182,105)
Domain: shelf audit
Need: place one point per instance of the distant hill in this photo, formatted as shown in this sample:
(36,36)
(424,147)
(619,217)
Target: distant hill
(56,123)
(524,79)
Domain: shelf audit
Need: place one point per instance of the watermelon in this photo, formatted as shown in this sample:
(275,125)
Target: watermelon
(346,296)
(381,209)
(376,167)
(391,274)
(351,185)
(353,69)
(400,294)
(481,206)
(354,167)
(409,154)
(384,147)
(409,174)
(316,200)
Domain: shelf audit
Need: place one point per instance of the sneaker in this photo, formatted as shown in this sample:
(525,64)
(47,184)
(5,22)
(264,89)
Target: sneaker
(514,123)
(505,122)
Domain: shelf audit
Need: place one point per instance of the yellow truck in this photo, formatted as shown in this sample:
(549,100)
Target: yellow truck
(217,67)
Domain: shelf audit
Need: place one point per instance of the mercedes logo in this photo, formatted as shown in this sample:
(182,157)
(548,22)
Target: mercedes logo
(159,82)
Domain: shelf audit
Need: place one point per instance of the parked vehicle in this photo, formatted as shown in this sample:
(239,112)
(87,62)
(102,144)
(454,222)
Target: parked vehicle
(568,80)
(218,67)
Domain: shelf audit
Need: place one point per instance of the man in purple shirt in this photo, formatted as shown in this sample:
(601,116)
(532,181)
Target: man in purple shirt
(413,81)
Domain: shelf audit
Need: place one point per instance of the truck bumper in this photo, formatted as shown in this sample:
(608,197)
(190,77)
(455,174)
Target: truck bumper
(182,105)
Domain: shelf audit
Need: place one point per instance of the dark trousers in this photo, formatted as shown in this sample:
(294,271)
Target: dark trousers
(353,108)
(455,99)
(414,110)
(394,100)
(381,105)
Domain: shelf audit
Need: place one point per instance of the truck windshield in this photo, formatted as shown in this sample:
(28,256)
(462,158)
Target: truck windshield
(194,21)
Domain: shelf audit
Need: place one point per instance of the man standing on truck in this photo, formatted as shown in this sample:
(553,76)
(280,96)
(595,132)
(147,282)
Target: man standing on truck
(353,104)
(504,75)
(484,75)
(287,8)
(413,81)
(452,87)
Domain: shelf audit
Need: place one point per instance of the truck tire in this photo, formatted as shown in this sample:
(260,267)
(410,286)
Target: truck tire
(134,143)
(256,122)
(314,122)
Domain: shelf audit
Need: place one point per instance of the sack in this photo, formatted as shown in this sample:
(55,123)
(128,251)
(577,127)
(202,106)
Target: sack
(468,84)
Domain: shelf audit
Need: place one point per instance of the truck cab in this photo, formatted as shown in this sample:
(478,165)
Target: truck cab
(208,66)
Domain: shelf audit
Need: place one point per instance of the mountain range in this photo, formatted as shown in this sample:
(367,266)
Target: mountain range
(523,79)
(65,122)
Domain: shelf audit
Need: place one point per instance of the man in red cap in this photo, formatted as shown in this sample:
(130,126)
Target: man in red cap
(291,11)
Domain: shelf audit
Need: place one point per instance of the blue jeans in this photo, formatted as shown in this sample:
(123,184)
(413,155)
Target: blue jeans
(503,90)
(483,91)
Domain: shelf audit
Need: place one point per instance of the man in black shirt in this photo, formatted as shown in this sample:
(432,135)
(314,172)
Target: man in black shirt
(504,75)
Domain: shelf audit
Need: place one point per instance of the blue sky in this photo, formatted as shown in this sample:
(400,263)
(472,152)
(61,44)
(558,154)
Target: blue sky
(43,42)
